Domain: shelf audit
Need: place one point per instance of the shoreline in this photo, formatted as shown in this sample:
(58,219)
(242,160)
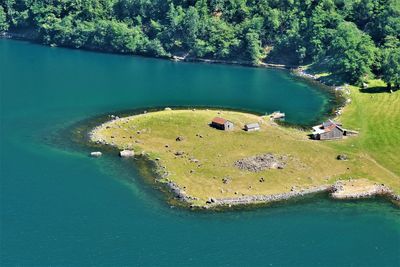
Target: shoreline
(297,70)
(30,37)
(256,199)
(336,191)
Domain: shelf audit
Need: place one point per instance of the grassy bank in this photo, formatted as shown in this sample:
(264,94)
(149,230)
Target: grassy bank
(209,154)
(375,112)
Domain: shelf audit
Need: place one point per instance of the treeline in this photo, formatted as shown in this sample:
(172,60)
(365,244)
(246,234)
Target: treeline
(354,39)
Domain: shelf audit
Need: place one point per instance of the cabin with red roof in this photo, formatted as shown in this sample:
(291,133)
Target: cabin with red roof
(222,124)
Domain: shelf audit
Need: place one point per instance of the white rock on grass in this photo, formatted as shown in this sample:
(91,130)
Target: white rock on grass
(126,153)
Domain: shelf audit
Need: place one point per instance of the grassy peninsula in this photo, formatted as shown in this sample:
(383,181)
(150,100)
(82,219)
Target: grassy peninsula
(201,162)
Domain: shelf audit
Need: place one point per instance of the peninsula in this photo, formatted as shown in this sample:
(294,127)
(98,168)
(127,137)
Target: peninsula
(207,167)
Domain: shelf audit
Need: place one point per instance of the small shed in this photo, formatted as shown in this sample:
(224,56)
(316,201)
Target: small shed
(252,127)
(222,124)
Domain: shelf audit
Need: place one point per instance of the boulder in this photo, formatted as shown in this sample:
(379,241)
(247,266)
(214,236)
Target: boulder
(96,154)
(179,138)
(126,153)
(179,153)
(342,157)
(226,180)
(194,160)
(167,109)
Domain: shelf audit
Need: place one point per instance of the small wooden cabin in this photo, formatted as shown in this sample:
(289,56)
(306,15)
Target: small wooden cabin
(222,124)
(328,130)
(252,127)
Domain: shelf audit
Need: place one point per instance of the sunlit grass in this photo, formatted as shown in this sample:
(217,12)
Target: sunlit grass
(311,163)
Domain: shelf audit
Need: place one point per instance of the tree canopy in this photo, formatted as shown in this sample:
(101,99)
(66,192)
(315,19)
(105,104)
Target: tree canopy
(352,35)
(391,66)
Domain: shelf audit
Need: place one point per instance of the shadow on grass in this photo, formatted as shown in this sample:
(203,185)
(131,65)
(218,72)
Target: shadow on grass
(375,90)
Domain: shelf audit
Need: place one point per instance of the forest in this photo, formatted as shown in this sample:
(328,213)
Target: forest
(355,39)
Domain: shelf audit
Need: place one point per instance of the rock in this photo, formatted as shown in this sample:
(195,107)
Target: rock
(167,109)
(194,160)
(262,180)
(179,153)
(126,153)
(342,157)
(261,162)
(226,180)
(96,154)
(179,138)
(167,146)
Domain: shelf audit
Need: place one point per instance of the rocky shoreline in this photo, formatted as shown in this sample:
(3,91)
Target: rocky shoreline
(335,192)
(232,62)
(343,90)
(345,190)
(260,199)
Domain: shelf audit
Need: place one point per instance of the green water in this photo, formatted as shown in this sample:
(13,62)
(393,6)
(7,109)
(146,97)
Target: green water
(61,208)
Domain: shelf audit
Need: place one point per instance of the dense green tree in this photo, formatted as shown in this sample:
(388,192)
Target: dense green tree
(352,52)
(253,47)
(353,35)
(391,66)
(3,22)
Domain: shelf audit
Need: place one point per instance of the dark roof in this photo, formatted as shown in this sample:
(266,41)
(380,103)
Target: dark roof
(329,123)
(330,127)
(218,120)
(333,126)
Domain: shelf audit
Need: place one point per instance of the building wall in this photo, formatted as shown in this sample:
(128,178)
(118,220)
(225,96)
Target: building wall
(334,134)
(228,125)
(217,126)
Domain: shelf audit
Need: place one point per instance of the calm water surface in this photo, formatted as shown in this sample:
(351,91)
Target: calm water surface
(61,208)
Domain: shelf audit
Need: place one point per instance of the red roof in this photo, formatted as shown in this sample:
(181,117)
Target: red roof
(218,120)
(330,128)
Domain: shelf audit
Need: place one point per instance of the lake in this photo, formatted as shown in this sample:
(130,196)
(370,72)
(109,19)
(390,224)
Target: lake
(60,207)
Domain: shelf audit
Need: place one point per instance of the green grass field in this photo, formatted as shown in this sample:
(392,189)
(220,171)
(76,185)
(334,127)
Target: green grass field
(373,154)
(375,112)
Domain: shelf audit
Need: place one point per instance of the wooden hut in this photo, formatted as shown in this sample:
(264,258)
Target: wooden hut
(328,130)
(252,127)
(222,124)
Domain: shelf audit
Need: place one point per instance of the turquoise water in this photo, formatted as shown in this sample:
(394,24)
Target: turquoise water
(60,207)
